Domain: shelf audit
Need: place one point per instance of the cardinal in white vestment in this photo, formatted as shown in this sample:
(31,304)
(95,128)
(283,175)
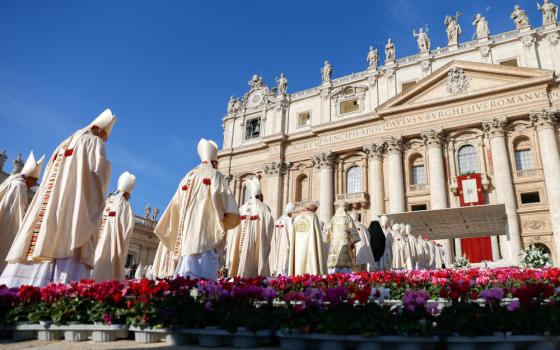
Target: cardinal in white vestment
(117,225)
(164,266)
(342,236)
(13,202)
(280,245)
(57,238)
(251,246)
(194,224)
(307,252)
(364,253)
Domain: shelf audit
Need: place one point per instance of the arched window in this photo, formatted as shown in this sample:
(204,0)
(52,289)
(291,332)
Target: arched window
(523,155)
(354,179)
(467,158)
(417,173)
(302,188)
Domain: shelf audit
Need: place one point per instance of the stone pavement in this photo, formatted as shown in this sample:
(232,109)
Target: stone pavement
(6,344)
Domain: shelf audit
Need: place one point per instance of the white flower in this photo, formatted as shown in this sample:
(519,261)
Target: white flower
(194,293)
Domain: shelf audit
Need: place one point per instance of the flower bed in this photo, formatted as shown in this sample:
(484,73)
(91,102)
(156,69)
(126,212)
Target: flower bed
(464,302)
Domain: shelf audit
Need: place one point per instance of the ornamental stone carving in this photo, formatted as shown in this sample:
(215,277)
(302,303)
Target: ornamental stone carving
(528,41)
(457,81)
(433,138)
(453,29)
(372,58)
(256,82)
(545,119)
(394,144)
(375,150)
(426,66)
(324,160)
(326,72)
(17,164)
(485,51)
(389,73)
(519,17)
(372,81)
(553,38)
(282,84)
(549,12)
(422,39)
(495,127)
(3,158)
(275,168)
(390,51)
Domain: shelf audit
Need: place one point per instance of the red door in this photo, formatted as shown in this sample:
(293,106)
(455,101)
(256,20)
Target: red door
(470,191)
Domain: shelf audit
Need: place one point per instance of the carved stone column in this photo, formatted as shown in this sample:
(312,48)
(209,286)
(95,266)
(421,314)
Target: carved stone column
(376,186)
(324,162)
(274,173)
(545,122)
(433,139)
(503,182)
(396,179)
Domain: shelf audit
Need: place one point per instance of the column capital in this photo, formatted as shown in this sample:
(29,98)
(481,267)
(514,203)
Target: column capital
(545,119)
(394,144)
(495,127)
(374,150)
(276,168)
(433,138)
(324,160)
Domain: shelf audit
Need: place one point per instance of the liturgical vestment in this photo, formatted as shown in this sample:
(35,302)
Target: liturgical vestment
(57,238)
(13,203)
(117,225)
(280,246)
(364,253)
(194,223)
(307,255)
(342,236)
(251,245)
(164,266)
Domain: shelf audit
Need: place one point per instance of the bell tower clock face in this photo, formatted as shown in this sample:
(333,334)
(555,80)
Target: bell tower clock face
(255,99)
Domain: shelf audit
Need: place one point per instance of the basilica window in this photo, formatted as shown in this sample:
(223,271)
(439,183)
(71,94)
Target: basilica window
(349,106)
(303,119)
(523,155)
(253,128)
(302,188)
(417,173)
(354,179)
(467,159)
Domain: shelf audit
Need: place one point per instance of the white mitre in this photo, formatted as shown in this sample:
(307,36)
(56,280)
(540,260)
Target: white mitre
(126,183)
(289,208)
(207,150)
(106,120)
(314,203)
(33,168)
(254,187)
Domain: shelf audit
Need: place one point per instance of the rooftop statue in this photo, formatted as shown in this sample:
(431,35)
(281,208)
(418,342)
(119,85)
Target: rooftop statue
(373,58)
(326,71)
(549,12)
(481,25)
(282,84)
(453,29)
(389,51)
(422,39)
(519,17)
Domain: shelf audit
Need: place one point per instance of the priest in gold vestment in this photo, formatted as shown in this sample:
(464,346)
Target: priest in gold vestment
(57,238)
(13,202)
(117,224)
(342,236)
(250,248)
(307,254)
(194,224)
(280,245)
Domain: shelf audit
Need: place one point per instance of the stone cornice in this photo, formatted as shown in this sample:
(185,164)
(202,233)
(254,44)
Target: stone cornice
(495,127)
(545,119)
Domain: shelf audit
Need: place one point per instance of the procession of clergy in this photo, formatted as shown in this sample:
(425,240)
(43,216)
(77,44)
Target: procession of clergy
(71,232)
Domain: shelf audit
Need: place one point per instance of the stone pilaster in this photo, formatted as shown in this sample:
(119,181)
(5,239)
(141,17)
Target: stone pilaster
(376,186)
(274,177)
(433,139)
(503,182)
(545,122)
(324,162)
(396,178)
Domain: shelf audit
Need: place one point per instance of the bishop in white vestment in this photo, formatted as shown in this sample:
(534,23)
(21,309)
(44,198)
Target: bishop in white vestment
(13,202)
(194,224)
(57,238)
(364,253)
(117,225)
(307,254)
(251,245)
(280,245)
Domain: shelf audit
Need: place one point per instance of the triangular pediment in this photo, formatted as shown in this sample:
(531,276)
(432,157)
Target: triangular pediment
(462,79)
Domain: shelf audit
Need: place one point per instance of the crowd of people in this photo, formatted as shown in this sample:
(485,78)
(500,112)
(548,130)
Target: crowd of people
(70,231)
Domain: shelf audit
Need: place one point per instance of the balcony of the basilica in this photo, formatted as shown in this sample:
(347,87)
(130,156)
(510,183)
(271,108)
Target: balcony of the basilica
(357,200)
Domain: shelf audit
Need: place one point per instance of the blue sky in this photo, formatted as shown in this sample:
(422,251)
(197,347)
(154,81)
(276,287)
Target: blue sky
(167,68)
